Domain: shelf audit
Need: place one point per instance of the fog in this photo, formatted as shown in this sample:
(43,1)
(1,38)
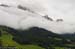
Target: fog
(17,18)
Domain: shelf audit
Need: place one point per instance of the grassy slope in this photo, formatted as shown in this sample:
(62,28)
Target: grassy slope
(7,41)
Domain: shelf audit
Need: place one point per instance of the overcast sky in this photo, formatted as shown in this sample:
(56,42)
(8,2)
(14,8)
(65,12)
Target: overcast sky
(62,9)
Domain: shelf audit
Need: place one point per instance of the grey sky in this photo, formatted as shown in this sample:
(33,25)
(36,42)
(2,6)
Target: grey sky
(19,19)
(62,9)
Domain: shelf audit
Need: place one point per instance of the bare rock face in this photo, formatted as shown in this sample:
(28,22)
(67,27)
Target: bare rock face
(46,16)
(59,20)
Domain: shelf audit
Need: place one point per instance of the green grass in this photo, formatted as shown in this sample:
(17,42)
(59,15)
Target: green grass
(7,41)
(59,48)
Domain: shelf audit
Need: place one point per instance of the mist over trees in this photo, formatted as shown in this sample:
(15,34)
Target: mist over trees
(36,36)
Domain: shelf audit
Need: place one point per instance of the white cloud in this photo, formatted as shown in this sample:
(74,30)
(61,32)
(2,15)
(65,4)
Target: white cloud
(20,19)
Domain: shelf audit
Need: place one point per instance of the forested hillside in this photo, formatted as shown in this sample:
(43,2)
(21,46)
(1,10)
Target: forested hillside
(35,38)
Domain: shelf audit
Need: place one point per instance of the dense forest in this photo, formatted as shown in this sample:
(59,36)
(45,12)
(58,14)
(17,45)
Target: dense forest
(40,37)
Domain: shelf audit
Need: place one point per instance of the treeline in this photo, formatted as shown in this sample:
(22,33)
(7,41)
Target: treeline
(37,36)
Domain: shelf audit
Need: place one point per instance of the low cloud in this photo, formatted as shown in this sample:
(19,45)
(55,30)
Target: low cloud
(17,18)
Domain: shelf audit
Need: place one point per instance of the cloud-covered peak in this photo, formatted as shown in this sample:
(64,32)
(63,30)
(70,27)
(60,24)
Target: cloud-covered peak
(23,14)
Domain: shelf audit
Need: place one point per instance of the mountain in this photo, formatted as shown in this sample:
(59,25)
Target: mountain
(69,36)
(17,14)
(38,36)
(34,35)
